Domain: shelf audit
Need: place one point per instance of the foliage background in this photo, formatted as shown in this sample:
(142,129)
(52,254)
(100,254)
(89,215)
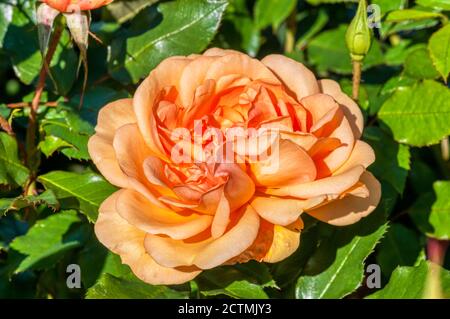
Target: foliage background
(404,97)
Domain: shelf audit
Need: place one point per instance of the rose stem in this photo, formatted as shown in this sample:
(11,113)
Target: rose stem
(356,79)
(30,143)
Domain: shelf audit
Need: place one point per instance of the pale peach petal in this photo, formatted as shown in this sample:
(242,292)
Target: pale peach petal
(139,212)
(329,186)
(340,155)
(283,211)
(110,118)
(193,76)
(166,74)
(350,208)
(218,52)
(210,252)
(289,165)
(362,154)
(351,109)
(240,64)
(285,242)
(298,79)
(131,152)
(127,241)
(318,105)
(221,217)
(113,116)
(104,157)
(304,140)
(239,187)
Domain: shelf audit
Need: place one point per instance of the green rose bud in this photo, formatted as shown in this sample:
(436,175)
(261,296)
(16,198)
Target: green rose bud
(358,34)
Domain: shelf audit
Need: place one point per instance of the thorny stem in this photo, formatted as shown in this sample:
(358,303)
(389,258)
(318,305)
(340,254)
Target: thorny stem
(356,79)
(30,143)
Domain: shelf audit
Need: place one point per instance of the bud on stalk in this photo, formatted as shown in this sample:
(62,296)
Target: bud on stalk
(358,39)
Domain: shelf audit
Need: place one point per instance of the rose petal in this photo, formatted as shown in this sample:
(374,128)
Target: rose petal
(127,241)
(285,242)
(208,253)
(288,165)
(293,74)
(329,186)
(139,212)
(350,209)
(351,109)
(282,211)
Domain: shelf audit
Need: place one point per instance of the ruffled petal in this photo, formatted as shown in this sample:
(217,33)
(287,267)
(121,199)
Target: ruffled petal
(297,78)
(128,242)
(350,208)
(139,212)
(208,253)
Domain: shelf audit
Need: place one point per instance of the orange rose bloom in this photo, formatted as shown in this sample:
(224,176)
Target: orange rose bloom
(171,219)
(74,5)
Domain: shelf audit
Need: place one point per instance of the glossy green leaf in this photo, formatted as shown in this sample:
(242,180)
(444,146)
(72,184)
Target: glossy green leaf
(44,241)
(317,2)
(418,65)
(187,27)
(439,46)
(6,16)
(124,10)
(435,4)
(418,115)
(17,203)
(439,217)
(51,144)
(410,283)
(389,5)
(111,287)
(411,14)
(239,289)
(337,267)
(272,12)
(12,171)
(400,246)
(392,159)
(87,191)
(22,45)
(327,52)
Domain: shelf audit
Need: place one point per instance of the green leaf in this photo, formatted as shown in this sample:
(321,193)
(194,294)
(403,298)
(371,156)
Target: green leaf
(17,203)
(410,283)
(327,52)
(51,144)
(187,27)
(392,159)
(88,190)
(400,247)
(439,217)
(389,5)
(418,65)
(12,172)
(124,10)
(6,16)
(44,241)
(397,83)
(67,132)
(239,289)
(439,46)
(319,23)
(418,115)
(111,287)
(337,267)
(317,2)
(435,4)
(22,45)
(272,12)
(411,14)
